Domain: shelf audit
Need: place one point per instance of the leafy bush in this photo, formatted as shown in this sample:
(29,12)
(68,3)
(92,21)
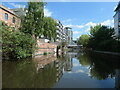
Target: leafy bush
(16,44)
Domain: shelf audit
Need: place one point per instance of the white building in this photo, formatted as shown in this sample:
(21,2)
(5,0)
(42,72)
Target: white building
(117,20)
(64,34)
(59,31)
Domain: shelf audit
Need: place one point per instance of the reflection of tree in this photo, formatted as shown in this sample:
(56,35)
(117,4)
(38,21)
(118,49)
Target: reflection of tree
(101,73)
(84,59)
(24,75)
(102,67)
(117,79)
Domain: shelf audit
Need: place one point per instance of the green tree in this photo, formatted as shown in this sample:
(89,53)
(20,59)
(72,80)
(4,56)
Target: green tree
(32,23)
(102,38)
(93,30)
(50,28)
(83,40)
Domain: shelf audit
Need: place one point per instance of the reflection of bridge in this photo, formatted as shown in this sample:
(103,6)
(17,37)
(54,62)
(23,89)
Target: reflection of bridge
(74,46)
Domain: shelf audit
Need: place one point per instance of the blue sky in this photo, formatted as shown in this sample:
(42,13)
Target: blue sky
(78,15)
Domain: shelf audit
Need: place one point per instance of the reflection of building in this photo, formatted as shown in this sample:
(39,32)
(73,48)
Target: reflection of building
(117,21)
(68,64)
(42,61)
(59,69)
(117,79)
(9,17)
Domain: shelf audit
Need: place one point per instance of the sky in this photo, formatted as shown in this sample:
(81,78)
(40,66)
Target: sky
(77,15)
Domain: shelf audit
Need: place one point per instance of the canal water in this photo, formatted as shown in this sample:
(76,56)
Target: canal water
(71,70)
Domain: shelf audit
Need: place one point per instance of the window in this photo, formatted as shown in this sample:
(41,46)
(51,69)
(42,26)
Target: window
(13,19)
(6,16)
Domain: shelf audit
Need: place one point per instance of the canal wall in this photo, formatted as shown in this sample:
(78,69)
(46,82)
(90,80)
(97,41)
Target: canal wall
(45,48)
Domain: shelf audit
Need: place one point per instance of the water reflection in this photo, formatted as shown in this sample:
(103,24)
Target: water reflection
(117,78)
(101,67)
(71,70)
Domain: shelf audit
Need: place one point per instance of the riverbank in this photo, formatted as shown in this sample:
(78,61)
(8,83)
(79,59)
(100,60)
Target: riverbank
(106,52)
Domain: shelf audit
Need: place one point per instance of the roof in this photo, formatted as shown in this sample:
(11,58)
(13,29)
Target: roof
(68,28)
(8,10)
(20,11)
(118,6)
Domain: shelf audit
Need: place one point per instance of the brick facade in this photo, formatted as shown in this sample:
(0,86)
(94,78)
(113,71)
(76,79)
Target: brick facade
(11,15)
(44,47)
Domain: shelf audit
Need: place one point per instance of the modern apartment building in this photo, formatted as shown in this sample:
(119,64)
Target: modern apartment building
(9,17)
(117,21)
(64,34)
(60,33)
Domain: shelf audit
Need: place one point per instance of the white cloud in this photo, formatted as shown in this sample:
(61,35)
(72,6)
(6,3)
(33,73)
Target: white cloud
(47,13)
(17,5)
(87,25)
(90,24)
(76,32)
(76,64)
(108,23)
(85,28)
(78,71)
(74,26)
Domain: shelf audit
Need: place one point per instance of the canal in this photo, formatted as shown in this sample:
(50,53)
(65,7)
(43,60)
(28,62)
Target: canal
(71,70)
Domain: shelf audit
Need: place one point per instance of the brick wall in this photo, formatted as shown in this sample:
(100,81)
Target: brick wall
(11,14)
(44,47)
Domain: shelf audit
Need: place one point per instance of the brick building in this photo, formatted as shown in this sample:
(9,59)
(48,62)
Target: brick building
(9,17)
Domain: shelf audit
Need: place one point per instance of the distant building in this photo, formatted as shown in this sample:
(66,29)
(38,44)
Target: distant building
(69,35)
(9,17)
(117,21)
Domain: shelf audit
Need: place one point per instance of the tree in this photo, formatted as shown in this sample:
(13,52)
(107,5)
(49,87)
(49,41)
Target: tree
(102,38)
(83,40)
(93,30)
(32,23)
(50,28)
